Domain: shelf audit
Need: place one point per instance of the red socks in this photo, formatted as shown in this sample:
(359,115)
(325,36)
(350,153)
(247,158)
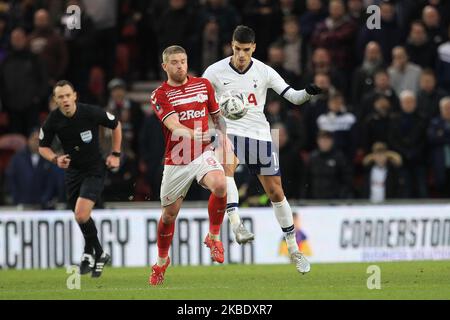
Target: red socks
(165,236)
(216,211)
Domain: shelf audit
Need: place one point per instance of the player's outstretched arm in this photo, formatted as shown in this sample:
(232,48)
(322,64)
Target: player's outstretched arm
(299,97)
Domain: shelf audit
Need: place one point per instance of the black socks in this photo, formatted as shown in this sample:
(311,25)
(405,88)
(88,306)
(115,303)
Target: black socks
(91,240)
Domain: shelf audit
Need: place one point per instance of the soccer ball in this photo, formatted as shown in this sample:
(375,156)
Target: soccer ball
(233,106)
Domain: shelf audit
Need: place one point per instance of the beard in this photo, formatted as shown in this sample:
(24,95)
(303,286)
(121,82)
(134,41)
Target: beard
(179,78)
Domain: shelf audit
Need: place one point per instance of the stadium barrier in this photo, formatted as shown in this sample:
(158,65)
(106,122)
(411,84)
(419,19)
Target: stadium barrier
(326,234)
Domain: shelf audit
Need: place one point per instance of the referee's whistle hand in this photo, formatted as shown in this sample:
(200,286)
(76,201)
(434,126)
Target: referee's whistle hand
(63,161)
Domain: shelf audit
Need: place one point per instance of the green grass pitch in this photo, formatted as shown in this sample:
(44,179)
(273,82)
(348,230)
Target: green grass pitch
(399,280)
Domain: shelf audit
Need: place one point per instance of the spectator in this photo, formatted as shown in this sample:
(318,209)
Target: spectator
(429,95)
(80,44)
(337,35)
(382,87)
(264,16)
(104,15)
(432,21)
(151,143)
(274,112)
(328,174)
(357,12)
(315,107)
(120,184)
(443,65)
(31,179)
(211,46)
(293,46)
(420,49)
(439,140)
(407,136)
(218,21)
(375,127)
(49,46)
(387,36)
(21,14)
(295,125)
(382,180)
(225,15)
(315,14)
(129,113)
(291,164)
(340,123)
(276,59)
(321,63)
(363,77)
(177,24)
(23,85)
(292,7)
(96,87)
(404,74)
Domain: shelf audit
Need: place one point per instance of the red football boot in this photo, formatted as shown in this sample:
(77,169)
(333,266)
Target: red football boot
(216,247)
(157,277)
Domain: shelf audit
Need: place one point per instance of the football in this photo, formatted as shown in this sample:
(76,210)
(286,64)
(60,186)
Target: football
(233,106)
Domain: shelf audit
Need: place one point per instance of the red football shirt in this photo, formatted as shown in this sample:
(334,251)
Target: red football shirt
(193,102)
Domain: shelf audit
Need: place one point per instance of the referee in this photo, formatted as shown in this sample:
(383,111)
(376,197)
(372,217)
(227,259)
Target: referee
(76,126)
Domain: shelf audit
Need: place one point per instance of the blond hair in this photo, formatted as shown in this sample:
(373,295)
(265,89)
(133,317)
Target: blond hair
(172,50)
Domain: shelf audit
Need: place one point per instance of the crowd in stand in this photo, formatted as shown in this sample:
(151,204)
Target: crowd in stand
(380,130)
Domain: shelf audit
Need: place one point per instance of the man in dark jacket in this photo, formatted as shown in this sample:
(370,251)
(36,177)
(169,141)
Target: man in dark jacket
(429,95)
(407,136)
(151,143)
(328,174)
(439,139)
(421,50)
(129,112)
(383,87)
(32,180)
(23,85)
(375,127)
(363,77)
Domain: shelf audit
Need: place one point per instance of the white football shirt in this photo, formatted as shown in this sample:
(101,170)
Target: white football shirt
(253,83)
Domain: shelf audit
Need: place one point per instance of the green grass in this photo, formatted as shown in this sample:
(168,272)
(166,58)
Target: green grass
(399,280)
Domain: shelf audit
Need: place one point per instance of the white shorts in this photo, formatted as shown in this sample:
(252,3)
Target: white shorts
(177,180)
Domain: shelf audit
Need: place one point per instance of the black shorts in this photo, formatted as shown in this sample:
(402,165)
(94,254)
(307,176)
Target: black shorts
(87,184)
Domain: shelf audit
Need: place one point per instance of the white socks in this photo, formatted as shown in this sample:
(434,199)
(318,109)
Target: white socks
(233,203)
(283,212)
